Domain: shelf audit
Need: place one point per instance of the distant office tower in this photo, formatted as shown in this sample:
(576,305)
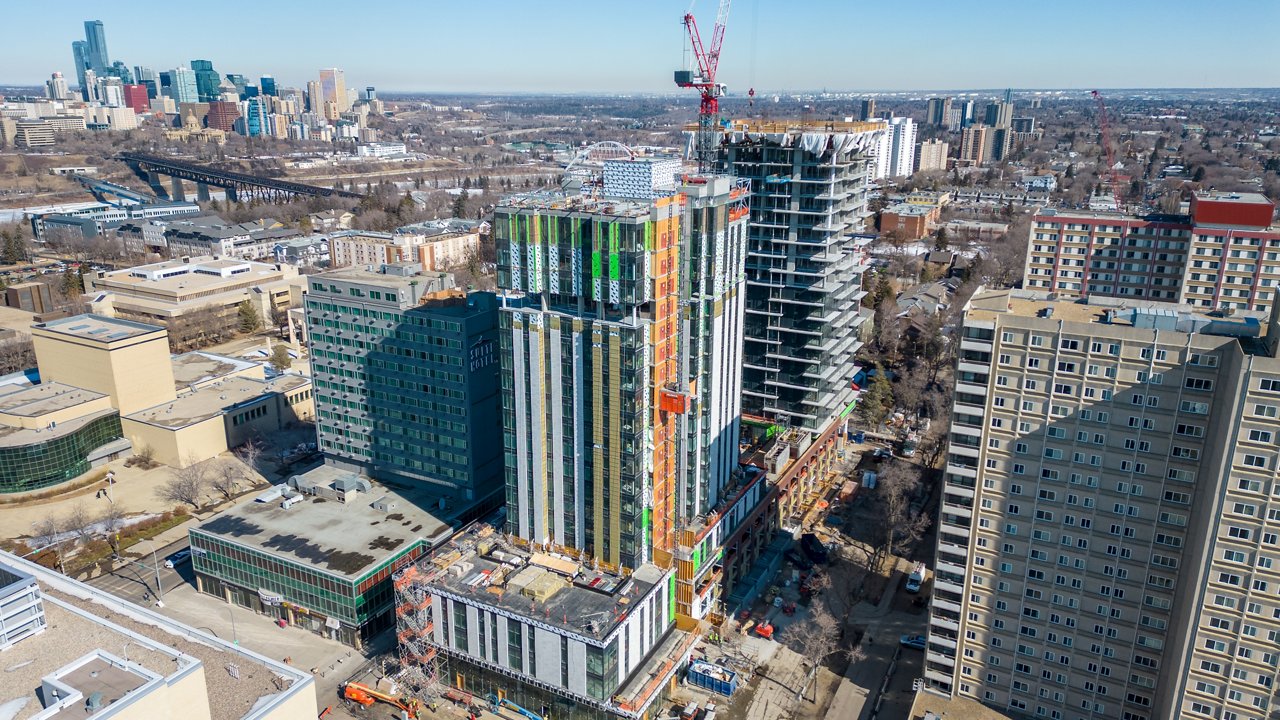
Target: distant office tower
(55,88)
(867,110)
(147,77)
(111,91)
(999,114)
(92,90)
(135,97)
(1023,124)
(370,93)
(239,82)
(931,155)
(315,97)
(253,118)
(1107,546)
(268,85)
(333,87)
(938,111)
(802,306)
(974,145)
(181,84)
(427,401)
(207,80)
(223,115)
(95,53)
(80,53)
(966,114)
(121,71)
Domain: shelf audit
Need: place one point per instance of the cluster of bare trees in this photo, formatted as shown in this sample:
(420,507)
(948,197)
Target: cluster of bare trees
(191,485)
(78,527)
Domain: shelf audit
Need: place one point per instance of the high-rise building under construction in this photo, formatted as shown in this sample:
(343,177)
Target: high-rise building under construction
(620,343)
(805,264)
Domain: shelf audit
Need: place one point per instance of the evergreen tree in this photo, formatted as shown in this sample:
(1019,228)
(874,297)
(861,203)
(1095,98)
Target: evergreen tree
(877,399)
(460,205)
(250,320)
(71,283)
(280,359)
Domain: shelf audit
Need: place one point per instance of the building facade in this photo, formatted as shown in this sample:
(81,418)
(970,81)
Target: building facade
(414,396)
(804,264)
(1104,549)
(1225,254)
(931,155)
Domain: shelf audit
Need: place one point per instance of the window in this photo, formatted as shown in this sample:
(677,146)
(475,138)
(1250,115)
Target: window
(1255,461)
(1262,436)
(1269,385)
(1195,383)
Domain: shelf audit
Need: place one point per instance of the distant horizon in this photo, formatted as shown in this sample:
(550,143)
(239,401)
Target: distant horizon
(676,93)
(563,47)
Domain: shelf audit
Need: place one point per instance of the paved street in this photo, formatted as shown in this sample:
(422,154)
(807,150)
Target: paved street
(135,581)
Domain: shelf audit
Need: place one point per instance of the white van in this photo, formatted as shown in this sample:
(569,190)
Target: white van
(917,578)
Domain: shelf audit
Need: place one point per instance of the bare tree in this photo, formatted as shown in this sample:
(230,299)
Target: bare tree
(80,523)
(249,451)
(897,527)
(226,479)
(146,454)
(48,532)
(187,485)
(112,521)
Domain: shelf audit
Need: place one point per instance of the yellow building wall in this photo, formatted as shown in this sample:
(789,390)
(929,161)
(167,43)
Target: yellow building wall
(136,373)
(179,447)
(301,706)
(186,698)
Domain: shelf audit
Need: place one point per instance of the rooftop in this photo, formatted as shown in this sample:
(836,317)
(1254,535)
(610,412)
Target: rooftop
(911,209)
(200,274)
(195,368)
(558,201)
(14,436)
(214,399)
(356,536)
(98,327)
(555,588)
(132,650)
(1247,326)
(42,399)
(1251,198)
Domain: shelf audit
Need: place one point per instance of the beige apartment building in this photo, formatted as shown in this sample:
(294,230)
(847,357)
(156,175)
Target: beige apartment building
(72,650)
(1110,519)
(975,145)
(435,252)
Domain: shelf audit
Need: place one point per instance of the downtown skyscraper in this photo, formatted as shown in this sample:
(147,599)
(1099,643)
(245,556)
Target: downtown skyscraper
(90,54)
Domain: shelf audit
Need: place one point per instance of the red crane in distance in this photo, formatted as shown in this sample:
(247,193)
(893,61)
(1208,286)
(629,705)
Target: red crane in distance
(704,80)
(1105,127)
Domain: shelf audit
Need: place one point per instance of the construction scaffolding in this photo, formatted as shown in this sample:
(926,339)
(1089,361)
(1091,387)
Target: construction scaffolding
(421,665)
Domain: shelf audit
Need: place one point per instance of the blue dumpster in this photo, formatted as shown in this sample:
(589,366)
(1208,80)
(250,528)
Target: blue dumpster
(859,436)
(713,677)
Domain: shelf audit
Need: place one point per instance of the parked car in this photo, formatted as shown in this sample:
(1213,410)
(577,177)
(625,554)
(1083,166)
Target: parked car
(178,558)
(915,642)
(815,548)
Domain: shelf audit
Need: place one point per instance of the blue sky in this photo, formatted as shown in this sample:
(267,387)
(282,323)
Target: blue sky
(632,46)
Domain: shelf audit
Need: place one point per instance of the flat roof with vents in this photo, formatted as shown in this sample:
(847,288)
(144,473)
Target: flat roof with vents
(98,327)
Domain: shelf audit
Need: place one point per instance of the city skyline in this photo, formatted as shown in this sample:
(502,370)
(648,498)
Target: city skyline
(595,56)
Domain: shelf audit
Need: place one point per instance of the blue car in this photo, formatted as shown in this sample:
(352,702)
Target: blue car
(916,642)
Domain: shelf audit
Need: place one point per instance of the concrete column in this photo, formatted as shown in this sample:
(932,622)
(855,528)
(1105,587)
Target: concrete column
(153,180)
(177,194)
(202,192)
(232,195)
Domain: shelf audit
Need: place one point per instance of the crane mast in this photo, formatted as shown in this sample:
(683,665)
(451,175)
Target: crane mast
(1105,129)
(703,79)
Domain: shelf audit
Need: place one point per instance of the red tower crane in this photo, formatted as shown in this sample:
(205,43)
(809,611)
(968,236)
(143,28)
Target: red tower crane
(1105,127)
(704,80)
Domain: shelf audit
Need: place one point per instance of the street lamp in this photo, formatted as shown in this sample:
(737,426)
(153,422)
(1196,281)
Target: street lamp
(155,564)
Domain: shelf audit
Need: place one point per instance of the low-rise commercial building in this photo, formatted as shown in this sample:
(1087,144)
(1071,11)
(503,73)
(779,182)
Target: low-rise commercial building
(72,650)
(319,551)
(909,221)
(94,220)
(208,288)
